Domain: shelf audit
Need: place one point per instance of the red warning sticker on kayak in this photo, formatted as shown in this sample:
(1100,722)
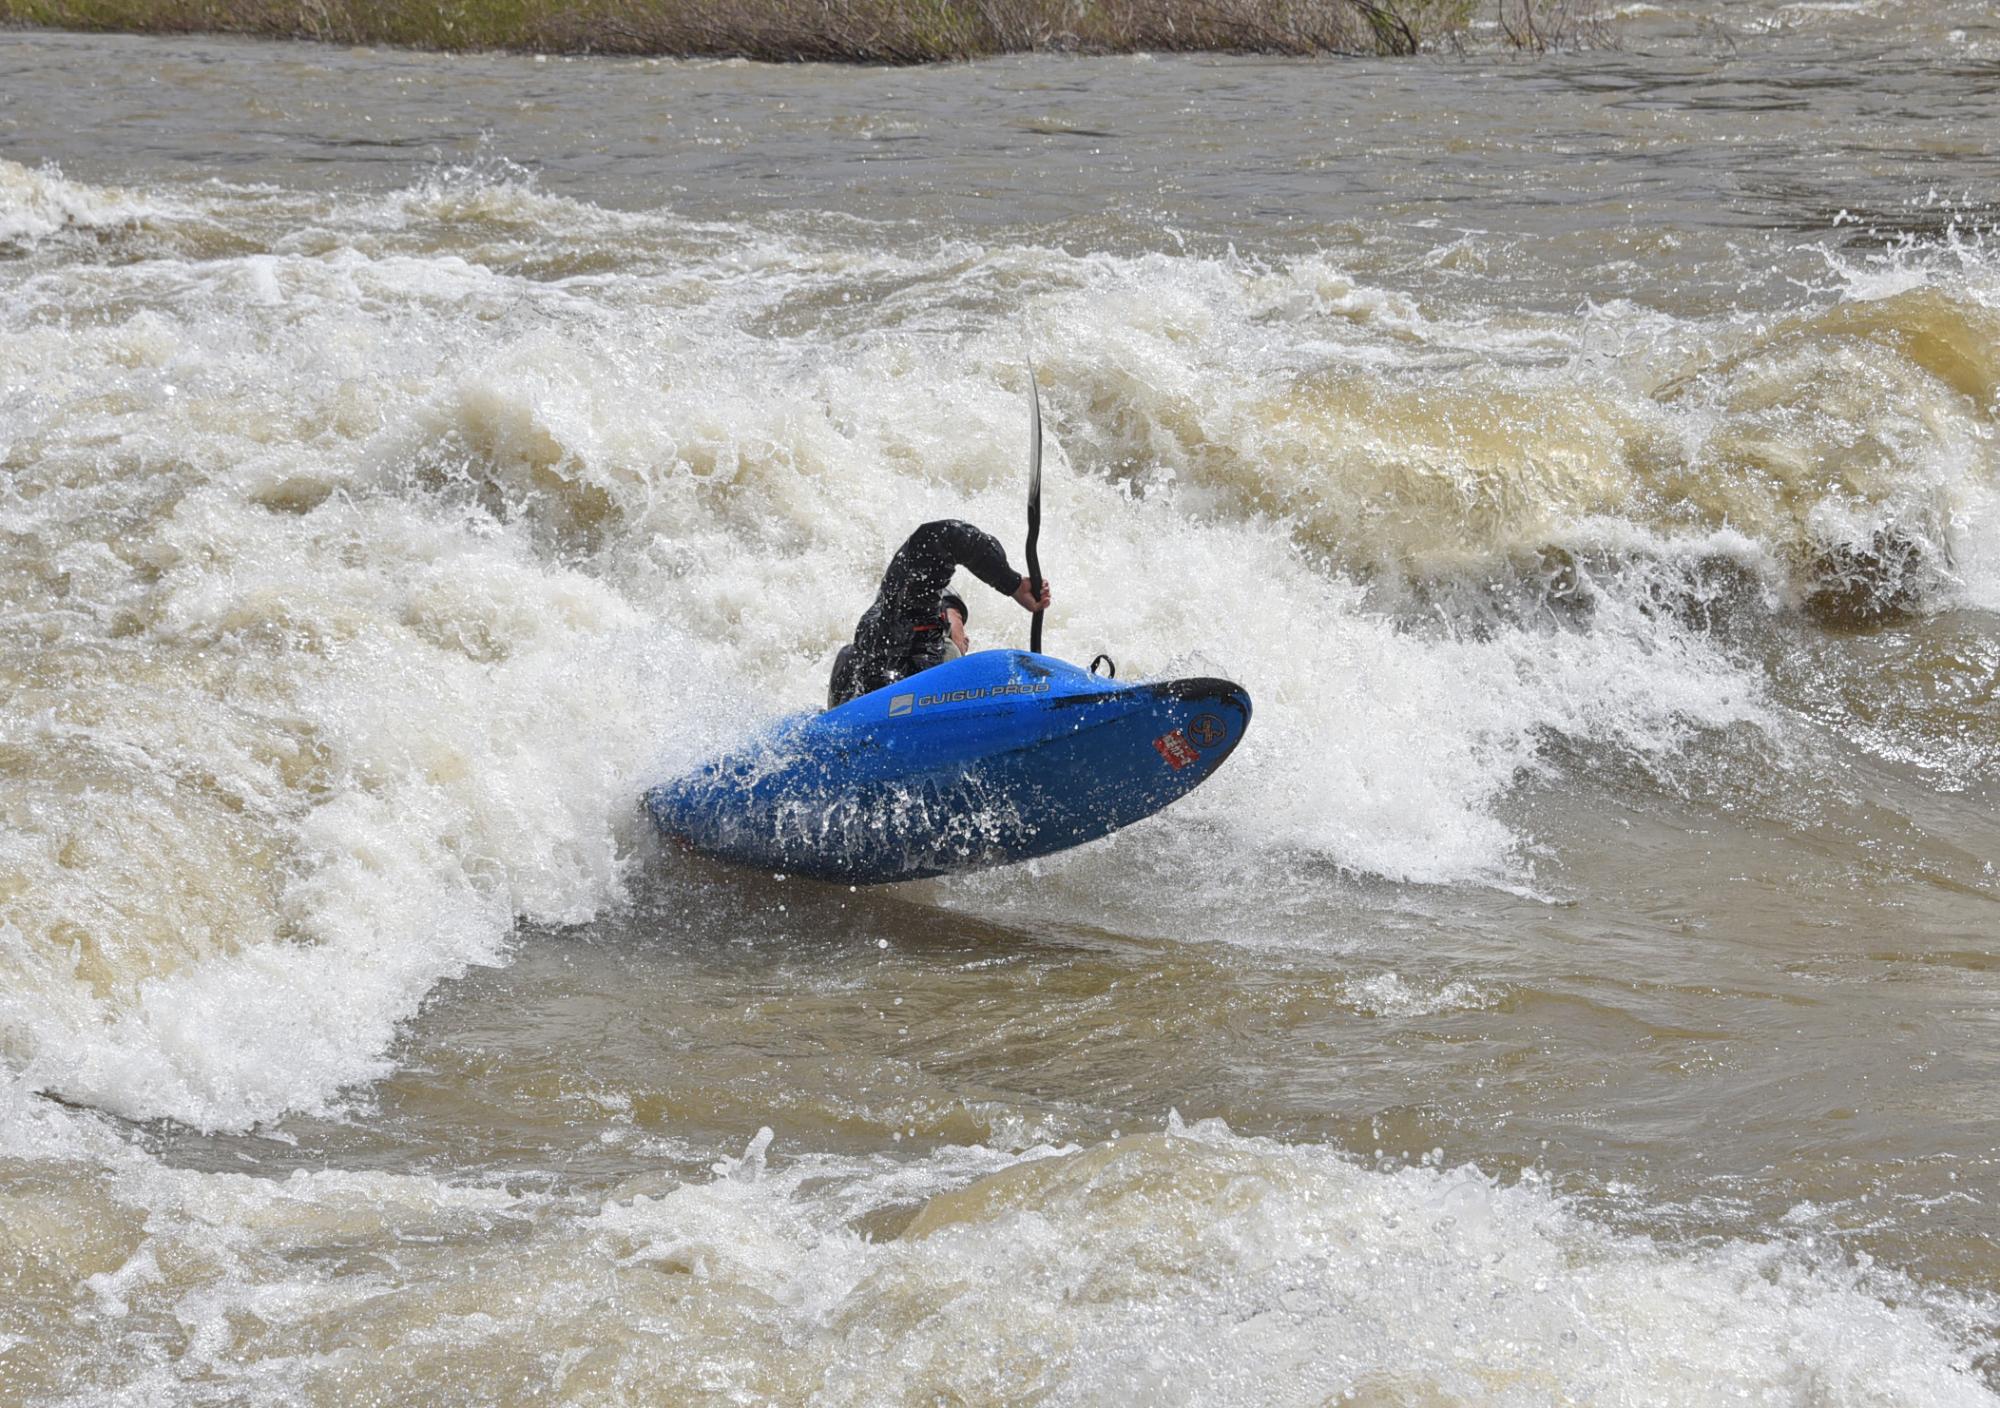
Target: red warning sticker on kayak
(1175,748)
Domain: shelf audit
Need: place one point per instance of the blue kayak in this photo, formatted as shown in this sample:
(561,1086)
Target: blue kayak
(997,757)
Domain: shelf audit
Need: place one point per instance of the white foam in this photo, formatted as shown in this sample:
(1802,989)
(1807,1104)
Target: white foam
(36,203)
(1191,1266)
(1391,995)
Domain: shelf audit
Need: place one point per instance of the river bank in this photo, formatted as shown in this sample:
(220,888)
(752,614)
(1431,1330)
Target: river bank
(843,31)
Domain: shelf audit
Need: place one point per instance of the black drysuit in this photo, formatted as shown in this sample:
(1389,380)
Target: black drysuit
(904,629)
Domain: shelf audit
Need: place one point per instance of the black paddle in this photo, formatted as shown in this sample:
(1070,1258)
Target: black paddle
(1034,503)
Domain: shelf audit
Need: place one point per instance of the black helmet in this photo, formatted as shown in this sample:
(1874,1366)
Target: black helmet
(956,603)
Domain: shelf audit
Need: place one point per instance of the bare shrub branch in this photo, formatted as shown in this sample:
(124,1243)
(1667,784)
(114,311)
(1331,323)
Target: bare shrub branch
(1539,26)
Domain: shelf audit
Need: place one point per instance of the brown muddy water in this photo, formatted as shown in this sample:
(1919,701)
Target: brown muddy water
(1581,987)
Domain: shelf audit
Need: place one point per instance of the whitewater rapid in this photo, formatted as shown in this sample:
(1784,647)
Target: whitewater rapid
(367,551)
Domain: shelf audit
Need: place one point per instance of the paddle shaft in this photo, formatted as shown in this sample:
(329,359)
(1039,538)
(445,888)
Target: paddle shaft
(1034,505)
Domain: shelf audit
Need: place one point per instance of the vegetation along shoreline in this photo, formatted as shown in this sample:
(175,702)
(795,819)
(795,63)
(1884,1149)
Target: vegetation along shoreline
(843,31)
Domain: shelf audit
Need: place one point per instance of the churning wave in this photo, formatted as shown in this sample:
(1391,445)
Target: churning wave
(372,554)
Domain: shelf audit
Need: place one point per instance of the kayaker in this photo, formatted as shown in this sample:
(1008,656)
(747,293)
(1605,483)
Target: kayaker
(916,620)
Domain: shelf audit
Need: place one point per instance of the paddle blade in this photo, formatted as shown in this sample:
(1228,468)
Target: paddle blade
(1034,455)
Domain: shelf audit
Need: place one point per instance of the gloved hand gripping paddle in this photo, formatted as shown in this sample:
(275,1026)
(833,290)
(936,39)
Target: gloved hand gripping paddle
(1034,503)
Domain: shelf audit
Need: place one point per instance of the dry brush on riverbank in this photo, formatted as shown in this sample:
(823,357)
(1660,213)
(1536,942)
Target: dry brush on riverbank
(866,31)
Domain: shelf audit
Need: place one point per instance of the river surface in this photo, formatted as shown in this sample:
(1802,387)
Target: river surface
(1582,986)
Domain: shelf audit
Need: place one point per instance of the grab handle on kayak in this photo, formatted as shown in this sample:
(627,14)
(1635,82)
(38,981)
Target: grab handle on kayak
(1110,666)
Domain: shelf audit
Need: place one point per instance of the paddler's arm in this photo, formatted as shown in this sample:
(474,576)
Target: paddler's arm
(922,567)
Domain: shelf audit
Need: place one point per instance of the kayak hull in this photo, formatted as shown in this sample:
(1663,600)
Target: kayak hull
(994,758)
